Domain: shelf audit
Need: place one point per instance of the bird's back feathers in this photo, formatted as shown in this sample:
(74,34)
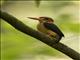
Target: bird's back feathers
(54,28)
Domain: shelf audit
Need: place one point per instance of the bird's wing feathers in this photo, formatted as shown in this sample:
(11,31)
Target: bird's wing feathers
(54,28)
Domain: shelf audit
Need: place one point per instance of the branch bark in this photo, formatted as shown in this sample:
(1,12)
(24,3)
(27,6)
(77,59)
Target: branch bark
(17,24)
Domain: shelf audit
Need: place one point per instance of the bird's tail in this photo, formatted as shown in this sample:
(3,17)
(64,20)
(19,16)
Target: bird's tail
(58,40)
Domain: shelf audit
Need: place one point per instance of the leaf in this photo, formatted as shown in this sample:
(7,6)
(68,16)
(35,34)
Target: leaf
(37,3)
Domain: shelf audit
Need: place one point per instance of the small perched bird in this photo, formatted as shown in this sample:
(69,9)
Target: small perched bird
(46,25)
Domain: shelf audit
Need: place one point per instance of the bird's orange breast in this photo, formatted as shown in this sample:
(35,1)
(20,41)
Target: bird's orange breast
(41,28)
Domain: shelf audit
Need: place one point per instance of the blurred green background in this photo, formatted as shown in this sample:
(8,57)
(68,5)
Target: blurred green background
(16,45)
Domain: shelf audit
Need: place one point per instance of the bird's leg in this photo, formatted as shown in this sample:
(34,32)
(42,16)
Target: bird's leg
(53,36)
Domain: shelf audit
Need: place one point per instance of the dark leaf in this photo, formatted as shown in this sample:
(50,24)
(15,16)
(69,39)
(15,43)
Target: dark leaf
(37,3)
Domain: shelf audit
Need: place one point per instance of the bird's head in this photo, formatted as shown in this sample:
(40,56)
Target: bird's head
(43,19)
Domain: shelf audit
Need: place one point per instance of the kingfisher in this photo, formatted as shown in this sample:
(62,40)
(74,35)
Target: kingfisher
(46,25)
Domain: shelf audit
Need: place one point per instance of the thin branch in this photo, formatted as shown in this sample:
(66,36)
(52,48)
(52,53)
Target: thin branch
(17,24)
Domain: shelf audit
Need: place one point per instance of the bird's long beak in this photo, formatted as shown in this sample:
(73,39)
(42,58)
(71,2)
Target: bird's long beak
(33,18)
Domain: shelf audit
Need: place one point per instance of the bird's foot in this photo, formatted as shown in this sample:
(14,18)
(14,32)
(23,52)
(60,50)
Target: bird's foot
(57,41)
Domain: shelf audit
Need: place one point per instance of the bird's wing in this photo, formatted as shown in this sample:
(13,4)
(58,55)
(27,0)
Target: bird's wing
(54,28)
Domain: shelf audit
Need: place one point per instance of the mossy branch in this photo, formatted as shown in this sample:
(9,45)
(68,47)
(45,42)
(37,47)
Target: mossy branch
(17,24)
